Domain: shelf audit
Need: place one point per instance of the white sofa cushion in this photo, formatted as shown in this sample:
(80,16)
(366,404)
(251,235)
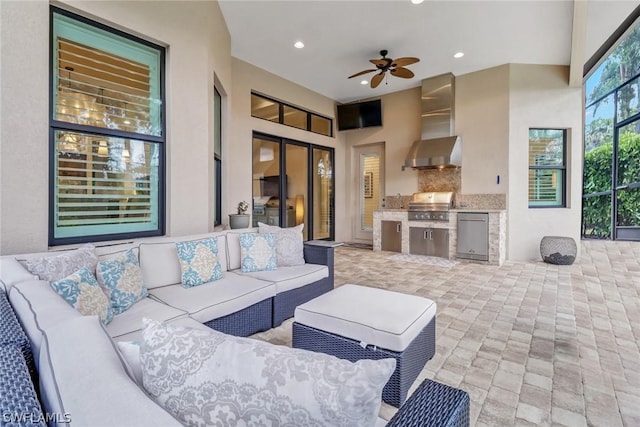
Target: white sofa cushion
(199,376)
(287,278)
(83,376)
(160,263)
(12,272)
(131,320)
(185,321)
(38,307)
(216,299)
(387,319)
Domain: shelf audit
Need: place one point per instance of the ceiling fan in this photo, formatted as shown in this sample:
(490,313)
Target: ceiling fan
(384,64)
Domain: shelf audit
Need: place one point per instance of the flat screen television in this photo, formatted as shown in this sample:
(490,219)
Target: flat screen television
(360,115)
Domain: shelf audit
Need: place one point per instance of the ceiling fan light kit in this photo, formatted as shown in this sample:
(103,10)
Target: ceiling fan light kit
(384,64)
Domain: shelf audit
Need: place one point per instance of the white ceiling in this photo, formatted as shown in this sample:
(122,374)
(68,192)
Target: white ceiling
(341,36)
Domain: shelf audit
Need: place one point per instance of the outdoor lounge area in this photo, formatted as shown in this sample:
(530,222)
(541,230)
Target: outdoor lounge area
(355,213)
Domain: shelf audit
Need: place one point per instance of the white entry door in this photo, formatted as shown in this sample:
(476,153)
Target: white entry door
(368,185)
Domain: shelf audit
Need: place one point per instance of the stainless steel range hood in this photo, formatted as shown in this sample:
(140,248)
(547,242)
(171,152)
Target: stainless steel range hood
(439,147)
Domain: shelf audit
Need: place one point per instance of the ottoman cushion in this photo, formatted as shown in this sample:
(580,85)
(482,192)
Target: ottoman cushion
(378,317)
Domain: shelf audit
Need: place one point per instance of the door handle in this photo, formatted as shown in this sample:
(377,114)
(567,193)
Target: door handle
(397,228)
(430,235)
(425,234)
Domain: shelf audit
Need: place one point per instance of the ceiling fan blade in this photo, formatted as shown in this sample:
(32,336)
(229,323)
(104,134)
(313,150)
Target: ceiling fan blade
(361,73)
(401,62)
(405,73)
(375,81)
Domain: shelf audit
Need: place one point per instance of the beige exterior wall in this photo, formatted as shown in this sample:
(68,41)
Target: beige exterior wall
(198,50)
(482,121)
(541,97)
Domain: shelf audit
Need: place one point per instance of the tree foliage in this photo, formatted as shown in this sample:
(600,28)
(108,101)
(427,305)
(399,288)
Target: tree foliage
(596,210)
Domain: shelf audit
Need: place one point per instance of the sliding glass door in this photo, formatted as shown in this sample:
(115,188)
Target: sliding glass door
(293,185)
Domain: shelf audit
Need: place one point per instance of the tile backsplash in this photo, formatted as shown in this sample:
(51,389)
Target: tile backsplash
(481,201)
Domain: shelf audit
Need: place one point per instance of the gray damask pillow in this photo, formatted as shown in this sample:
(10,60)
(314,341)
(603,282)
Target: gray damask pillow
(209,378)
(58,267)
(289,243)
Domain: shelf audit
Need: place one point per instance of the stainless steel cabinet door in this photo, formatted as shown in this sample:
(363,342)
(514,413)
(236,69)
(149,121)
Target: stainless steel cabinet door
(391,236)
(429,241)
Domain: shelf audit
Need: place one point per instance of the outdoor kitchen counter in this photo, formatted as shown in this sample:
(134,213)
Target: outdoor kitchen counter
(497,230)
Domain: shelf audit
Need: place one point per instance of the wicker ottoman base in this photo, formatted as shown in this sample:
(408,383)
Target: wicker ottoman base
(409,362)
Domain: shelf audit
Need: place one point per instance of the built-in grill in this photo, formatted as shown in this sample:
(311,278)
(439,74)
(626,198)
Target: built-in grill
(430,206)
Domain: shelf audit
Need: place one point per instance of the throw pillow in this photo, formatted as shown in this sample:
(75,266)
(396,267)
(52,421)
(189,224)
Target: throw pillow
(57,267)
(289,243)
(199,261)
(257,252)
(210,378)
(121,280)
(82,291)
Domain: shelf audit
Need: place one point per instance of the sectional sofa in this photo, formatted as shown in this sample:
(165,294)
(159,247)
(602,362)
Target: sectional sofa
(78,364)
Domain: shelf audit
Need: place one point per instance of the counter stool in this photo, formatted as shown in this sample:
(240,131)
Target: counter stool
(357,322)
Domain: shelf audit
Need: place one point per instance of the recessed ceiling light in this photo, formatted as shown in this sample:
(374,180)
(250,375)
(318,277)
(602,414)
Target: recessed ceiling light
(299,44)
(416,1)
(364,82)
(459,55)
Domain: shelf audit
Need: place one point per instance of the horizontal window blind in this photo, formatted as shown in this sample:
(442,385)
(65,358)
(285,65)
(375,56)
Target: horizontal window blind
(104,185)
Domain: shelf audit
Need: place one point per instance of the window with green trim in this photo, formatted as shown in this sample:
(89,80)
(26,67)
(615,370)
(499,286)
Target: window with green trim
(547,170)
(107,133)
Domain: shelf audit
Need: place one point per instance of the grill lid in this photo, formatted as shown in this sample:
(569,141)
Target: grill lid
(431,201)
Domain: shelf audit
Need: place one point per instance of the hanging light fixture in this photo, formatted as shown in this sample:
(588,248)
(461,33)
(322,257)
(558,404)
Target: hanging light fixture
(103,150)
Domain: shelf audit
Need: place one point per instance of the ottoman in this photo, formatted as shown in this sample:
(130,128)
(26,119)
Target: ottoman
(357,322)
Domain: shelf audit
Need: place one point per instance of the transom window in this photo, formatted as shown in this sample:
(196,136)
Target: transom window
(280,112)
(107,133)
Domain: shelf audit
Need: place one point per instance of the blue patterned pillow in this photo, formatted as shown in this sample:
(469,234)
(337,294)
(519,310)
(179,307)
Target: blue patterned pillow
(199,261)
(82,291)
(257,252)
(121,280)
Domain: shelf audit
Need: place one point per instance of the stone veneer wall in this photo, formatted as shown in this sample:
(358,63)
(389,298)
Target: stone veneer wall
(447,179)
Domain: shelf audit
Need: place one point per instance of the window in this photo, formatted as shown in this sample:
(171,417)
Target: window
(107,133)
(217,154)
(611,172)
(547,170)
(280,112)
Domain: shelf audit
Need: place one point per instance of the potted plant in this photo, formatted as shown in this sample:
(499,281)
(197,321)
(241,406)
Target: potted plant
(240,219)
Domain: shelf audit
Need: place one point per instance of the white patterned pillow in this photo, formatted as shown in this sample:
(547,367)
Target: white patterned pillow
(289,243)
(60,266)
(208,378)
(121,280)
(257,252)
(199,261)
(82,291)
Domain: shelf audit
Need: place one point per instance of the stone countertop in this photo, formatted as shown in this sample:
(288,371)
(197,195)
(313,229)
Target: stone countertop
(478,210)
(390,210)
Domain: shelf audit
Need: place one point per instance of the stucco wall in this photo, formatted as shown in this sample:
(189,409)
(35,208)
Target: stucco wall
(198,48)
(482,121)
(540,96)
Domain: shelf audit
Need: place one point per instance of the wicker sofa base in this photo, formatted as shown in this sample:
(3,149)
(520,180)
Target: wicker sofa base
(285,303)
(253,319)
(409,362)
(433,404)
